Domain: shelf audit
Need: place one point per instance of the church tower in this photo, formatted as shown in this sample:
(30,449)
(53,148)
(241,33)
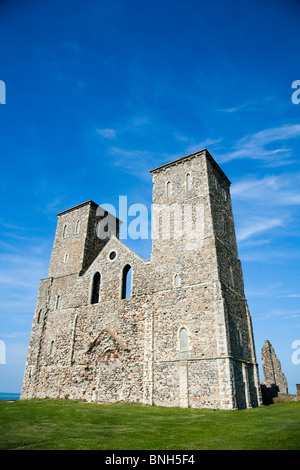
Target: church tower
(181,335)
(78,238)
(203,342)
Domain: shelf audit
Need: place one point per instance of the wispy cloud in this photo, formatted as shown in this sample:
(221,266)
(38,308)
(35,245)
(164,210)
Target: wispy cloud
(251,105)
(107,133)
(272,189)
(266,207)
(268,145)
(135,162)
(289,296)
(259,226)
(236,109)
(73,47)
(20,273)
(284,314)
(194,147)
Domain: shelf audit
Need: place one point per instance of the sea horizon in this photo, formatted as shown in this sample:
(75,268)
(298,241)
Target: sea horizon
(10,396)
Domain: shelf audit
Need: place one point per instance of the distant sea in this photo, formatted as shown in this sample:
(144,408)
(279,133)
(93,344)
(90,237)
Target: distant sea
(10,396)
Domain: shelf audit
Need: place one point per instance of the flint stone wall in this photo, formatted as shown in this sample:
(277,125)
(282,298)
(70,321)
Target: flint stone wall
(129,349)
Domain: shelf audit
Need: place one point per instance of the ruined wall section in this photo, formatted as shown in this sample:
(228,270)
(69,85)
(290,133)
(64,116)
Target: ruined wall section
(92,351)
(275,379)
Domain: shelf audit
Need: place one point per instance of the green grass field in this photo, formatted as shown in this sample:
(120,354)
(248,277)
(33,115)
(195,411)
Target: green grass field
(75,425)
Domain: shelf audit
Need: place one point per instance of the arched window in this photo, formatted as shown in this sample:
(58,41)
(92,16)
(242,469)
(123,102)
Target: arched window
(77,226)
(239,338)
(188,182)
(126,282)
(39,315)
(96,288)
(184,339)
(57,302)
(51,348)
(65,231)
(240,344)
(176,280)
(231,276)
(225,228)
(169,189)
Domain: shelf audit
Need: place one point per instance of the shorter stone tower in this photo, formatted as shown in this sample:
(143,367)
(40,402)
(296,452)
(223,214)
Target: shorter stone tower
(174,330)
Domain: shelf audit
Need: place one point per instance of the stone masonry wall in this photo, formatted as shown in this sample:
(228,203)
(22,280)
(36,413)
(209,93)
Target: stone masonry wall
(183,338)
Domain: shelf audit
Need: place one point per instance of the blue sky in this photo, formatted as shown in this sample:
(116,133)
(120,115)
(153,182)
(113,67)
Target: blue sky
(99,93)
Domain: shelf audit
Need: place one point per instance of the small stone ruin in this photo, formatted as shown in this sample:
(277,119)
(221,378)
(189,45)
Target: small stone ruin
(275,382)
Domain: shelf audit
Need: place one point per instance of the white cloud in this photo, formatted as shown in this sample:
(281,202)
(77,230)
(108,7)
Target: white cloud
(73,47)
(272,190)
(258,226)
(267,145)
(285,314)
(290,296)
(20,275)
(202,145)
(253,187)
(135,162)
(107,133)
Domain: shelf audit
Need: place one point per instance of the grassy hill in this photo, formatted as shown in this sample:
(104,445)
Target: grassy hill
(74,425)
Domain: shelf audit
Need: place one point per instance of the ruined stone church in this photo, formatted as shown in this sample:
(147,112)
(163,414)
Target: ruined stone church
(182,336)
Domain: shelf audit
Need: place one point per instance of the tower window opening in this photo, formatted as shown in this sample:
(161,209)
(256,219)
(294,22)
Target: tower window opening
(169,189)
(225,227)
(188,182)
(112,255)
(177,280)
(39,315)
(77,226)
(58,301)
(65,231)
(184,339)
(51,348)
(126,282)
(96,288)
(231,276)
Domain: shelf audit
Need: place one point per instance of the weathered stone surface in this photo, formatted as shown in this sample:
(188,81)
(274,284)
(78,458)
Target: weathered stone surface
(131,349)
(275,381)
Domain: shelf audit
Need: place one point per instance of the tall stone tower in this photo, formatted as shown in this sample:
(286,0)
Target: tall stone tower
(202,325)
(182,336)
